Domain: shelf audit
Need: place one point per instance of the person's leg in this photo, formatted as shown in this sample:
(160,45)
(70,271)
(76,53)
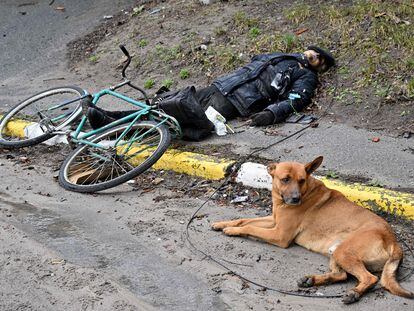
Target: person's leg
(203,95)
(99,117)
(211,96)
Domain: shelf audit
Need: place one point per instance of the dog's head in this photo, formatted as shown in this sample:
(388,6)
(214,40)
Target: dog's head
(291,179)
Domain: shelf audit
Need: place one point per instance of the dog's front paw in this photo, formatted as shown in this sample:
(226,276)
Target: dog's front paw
(350,297)
(306,281)
(232,231)
(220,225)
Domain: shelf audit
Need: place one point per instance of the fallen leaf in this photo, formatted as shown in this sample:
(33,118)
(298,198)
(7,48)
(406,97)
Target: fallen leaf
(157,181)
(380,14)
(301,31)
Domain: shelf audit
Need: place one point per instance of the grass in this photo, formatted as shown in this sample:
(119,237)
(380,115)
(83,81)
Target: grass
(142,43)
(168,83)
(410,87)
(375,183)
(242,20)
(137,10)
(149,83)
(377,35)
(168,54)
(290,41)
(184,74)
(93,59)
(332,175)
(220,31)
(254,32)
(298,13)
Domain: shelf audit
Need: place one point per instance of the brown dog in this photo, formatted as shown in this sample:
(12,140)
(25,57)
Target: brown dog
(324,221)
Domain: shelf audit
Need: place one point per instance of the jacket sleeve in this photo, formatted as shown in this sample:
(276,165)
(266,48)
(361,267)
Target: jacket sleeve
(299,96)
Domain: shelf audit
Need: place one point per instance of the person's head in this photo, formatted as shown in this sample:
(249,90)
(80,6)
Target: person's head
(319,59)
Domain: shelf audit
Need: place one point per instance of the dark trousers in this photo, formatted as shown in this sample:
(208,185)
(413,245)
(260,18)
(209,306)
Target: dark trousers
(208,96)
(211,96)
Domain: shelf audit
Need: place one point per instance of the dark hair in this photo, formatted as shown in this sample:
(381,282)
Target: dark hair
(327,56)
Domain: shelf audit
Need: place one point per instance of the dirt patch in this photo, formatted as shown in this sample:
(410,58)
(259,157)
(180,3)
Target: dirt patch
(41,156)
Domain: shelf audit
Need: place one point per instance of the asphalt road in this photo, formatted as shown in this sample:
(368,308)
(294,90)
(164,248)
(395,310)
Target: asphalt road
(34,34)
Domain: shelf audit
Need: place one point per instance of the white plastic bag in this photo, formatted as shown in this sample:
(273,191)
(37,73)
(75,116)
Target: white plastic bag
(218,120)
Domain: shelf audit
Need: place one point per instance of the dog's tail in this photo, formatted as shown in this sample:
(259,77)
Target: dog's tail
(388,279)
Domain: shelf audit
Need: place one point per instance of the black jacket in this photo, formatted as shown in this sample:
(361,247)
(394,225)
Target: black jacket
(281,83)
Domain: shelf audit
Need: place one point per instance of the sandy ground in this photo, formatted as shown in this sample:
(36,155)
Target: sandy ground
(125,249)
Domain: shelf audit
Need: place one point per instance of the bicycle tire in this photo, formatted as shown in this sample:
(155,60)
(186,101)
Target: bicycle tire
(64,178)
(31,101)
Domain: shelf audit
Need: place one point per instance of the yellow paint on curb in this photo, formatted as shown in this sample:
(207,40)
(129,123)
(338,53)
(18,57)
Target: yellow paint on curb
(374,198)
(194,164)
(16,127)
(189,163)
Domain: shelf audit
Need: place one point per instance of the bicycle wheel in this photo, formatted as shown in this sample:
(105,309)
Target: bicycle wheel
(114,157)
(38,117)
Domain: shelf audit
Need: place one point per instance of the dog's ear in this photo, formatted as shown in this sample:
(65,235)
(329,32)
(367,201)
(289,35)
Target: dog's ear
(270,168)
(312,166)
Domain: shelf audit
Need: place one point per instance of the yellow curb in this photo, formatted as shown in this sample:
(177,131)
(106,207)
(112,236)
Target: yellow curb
(190,163)
(393,202)
(16,127)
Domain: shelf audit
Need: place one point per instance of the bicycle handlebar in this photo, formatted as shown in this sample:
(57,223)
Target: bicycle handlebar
(124,50)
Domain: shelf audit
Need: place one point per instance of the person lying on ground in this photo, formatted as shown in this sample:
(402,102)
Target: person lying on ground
(268,89)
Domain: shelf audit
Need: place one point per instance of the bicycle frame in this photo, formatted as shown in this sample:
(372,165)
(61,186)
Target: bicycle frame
(80,137)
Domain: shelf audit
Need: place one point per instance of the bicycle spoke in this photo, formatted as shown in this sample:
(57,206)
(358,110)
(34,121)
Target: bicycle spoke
(145,146)
(84,169)
(87,178)
(98,175)
(90,166)
(110,175)
(121,166)
(110,160)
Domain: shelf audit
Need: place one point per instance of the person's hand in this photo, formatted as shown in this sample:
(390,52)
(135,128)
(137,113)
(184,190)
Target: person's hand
(262,118)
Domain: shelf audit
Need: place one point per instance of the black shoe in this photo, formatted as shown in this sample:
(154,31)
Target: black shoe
(86,103)
(98,118)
